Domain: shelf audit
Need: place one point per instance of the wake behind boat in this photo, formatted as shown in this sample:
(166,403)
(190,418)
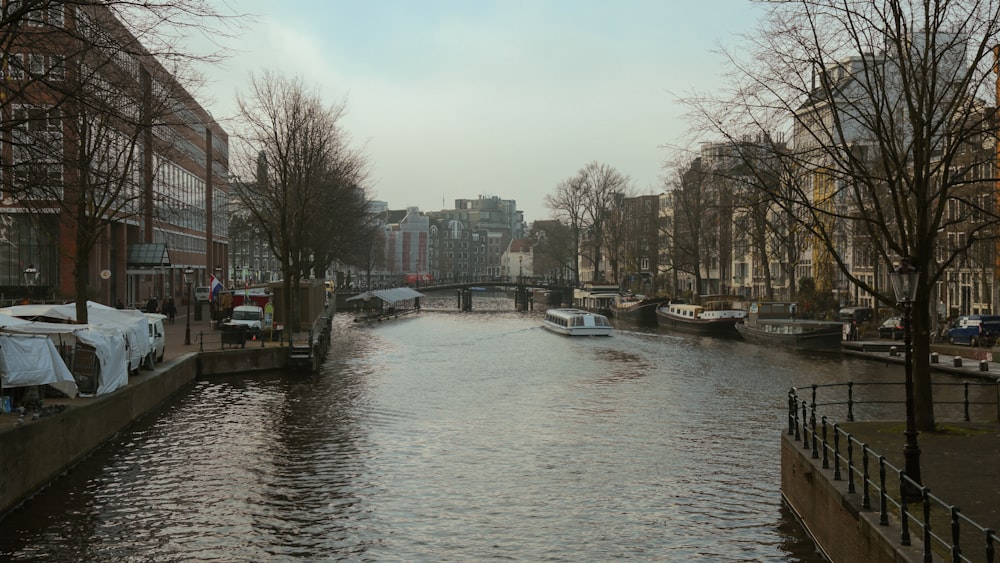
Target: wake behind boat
(715,318)
(576,322)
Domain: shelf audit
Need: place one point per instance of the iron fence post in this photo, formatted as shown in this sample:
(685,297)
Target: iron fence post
(866,499)
(791,411)
(883,509)
(805,427)
(826,457)
(812,425)
(904,516)
(965,385)
(850,464)
(956,550)
(926,494)
(850,401)
(836,452)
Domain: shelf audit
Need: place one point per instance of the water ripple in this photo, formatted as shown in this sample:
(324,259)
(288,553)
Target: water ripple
(449,436)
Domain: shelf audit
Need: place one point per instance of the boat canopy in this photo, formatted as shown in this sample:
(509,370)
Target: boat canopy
(390,296)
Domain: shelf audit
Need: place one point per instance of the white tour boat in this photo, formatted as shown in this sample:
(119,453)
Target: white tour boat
(577,322)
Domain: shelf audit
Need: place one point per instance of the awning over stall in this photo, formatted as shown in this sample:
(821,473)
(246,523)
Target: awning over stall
(148,255)
(390,296)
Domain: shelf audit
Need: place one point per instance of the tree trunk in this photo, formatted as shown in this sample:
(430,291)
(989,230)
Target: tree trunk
(923,396)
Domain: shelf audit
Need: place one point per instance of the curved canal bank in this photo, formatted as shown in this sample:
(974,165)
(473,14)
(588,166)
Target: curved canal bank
(431,417)
(38,451)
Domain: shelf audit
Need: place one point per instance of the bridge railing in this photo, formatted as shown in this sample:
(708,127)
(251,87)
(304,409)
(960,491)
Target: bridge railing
(882,482)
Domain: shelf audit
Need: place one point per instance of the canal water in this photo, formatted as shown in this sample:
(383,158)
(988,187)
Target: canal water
(449,436)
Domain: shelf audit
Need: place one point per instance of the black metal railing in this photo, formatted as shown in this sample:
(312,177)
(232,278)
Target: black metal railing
(231,337)
(894,490)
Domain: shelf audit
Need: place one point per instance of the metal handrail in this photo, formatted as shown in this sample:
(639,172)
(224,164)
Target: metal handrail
(849,401)
(804,427)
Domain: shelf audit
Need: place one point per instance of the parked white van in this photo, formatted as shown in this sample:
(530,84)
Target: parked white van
(202,294)
(157,339)
(249,316)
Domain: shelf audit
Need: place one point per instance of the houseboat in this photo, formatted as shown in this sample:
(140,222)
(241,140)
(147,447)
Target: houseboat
(775,324)
(637,308)
(382,304)
(577,322)
(715,318)
(597,298)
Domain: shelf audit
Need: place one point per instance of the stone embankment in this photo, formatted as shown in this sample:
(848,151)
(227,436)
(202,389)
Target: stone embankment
(39,449)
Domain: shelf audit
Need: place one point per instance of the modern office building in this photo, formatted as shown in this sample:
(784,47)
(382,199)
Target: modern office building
(105,154)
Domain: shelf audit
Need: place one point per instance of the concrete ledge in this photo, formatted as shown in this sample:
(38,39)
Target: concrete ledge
(33,455)
(842,530)
(243,360)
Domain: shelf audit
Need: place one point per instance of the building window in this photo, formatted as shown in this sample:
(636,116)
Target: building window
(57,68)
(36,64)
(56,18)
(15,66)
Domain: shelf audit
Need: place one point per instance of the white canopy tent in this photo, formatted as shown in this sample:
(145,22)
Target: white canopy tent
(27,360)
(132,322)
(109,343)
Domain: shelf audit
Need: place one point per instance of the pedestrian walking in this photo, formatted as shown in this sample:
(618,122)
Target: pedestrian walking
(171,309)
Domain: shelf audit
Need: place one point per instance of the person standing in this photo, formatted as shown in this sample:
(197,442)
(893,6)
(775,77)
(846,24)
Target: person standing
(171,309)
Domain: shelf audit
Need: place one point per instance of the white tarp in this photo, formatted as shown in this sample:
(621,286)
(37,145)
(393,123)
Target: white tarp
(132,321)
(108,343)
(33,360)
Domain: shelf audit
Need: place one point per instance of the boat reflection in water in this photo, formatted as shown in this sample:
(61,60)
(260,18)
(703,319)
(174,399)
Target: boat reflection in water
(775,324)
(637,308)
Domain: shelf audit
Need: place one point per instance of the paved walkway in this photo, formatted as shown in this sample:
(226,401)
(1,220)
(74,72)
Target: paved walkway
(175,346)
(203,336)
(959,463)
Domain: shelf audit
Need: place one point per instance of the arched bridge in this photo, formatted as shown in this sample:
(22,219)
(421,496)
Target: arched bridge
(493,283)
(465,290)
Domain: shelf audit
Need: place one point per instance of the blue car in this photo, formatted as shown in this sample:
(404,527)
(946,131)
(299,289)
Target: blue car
(975,330)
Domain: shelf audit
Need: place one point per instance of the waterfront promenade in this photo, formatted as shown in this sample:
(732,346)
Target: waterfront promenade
(958,466)
(958,461)
(38,448)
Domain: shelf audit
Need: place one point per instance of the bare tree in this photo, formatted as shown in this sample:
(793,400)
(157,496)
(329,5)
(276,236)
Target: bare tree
(887,104)
(587,202)
(554,250)
(313,204)
(90,85)
(567,204)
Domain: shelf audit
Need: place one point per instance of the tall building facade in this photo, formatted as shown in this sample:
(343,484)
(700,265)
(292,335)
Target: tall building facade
(105,152)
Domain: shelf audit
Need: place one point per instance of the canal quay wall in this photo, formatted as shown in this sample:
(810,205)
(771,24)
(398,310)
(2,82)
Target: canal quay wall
(841,527)
(834,517)
(34,454)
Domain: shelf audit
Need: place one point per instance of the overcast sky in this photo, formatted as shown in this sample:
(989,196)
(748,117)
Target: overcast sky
(457,99)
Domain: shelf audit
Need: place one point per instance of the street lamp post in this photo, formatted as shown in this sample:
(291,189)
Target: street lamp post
(904,283)
(188,278)
(31,275)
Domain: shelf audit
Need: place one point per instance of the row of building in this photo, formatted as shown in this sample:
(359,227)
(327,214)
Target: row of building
(176,224)
(105,153)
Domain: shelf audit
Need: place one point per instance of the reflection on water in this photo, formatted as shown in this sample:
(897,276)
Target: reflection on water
(447,436)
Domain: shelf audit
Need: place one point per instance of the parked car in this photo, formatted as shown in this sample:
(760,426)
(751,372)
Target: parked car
(857,315)
(202,294)
(891,328)
(975,330)
(249,316)
(157,338)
